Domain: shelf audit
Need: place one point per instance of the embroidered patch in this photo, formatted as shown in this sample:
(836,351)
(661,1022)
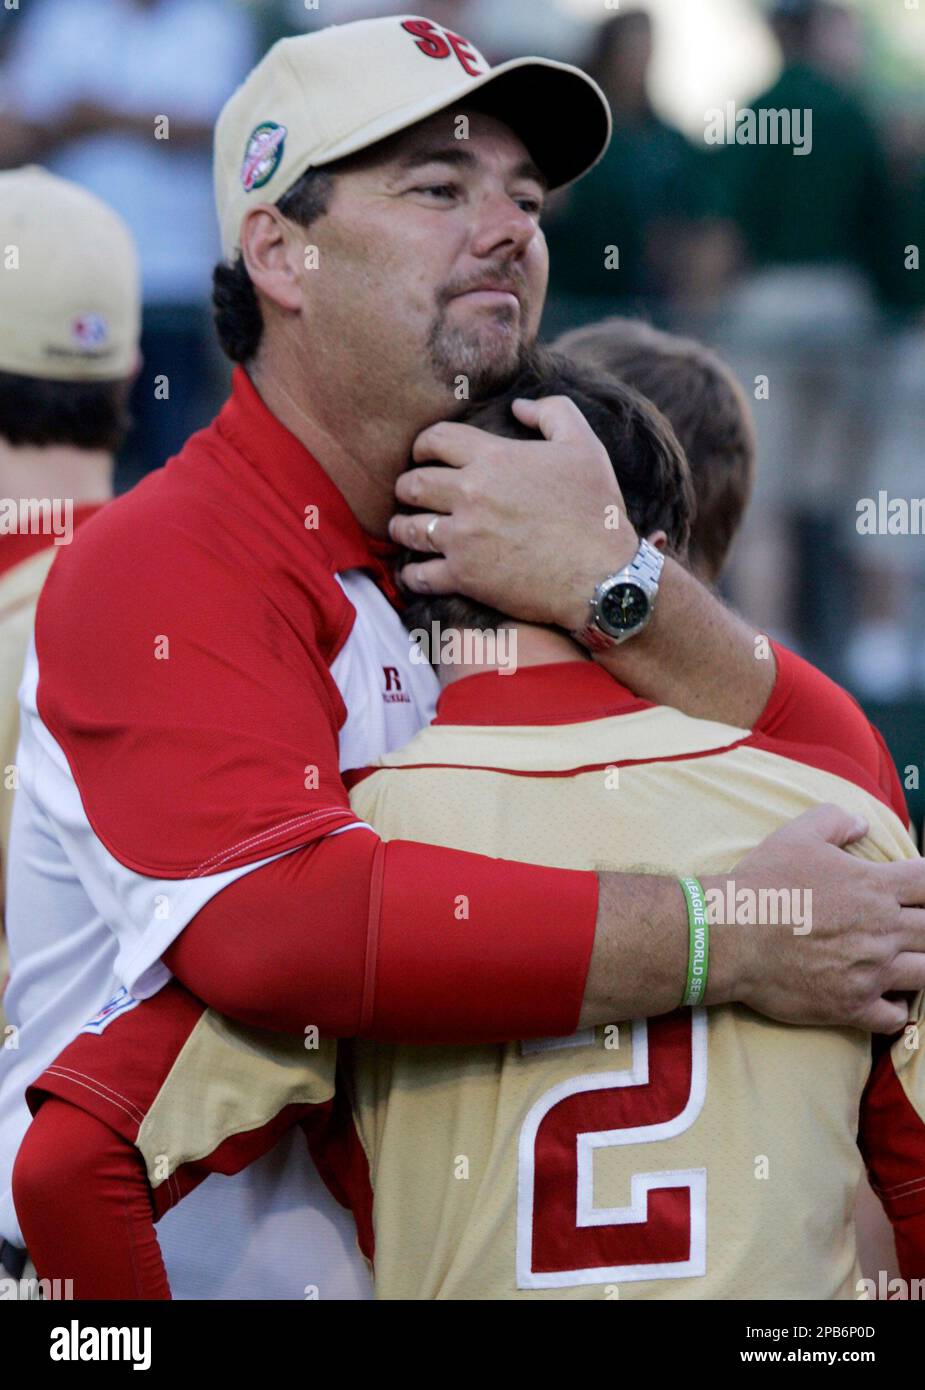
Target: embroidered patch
(90,330)
(264,151)
(120,1003)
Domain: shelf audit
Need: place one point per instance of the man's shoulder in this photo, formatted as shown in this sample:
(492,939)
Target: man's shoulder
(194,534)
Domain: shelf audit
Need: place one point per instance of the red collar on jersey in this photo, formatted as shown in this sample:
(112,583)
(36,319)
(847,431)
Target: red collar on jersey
(564,692)
(255,432)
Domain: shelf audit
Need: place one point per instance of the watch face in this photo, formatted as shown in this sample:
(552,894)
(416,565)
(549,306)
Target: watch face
(623,607)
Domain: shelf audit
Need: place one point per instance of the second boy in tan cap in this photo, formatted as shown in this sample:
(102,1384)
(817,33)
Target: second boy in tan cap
(69,330)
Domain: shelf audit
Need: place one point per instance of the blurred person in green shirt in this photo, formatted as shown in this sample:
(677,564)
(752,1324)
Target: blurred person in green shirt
(832,205)
(804,325)
(623,239)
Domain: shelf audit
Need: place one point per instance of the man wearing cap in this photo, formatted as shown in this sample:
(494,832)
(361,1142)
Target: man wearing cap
(379,192)
(69,328)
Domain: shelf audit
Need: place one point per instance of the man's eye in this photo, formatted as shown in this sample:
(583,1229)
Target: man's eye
(439,190)
(534,206)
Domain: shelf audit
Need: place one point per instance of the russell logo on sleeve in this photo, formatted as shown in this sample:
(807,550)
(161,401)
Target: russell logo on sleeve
(120,1003)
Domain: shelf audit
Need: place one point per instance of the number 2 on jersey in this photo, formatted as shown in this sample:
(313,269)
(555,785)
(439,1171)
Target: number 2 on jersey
(563,1239)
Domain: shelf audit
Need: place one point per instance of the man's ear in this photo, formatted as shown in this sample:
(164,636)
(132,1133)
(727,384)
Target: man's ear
(659,539)
(270,257)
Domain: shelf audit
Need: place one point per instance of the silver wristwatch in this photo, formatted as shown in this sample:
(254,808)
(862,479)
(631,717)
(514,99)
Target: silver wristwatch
(623,603)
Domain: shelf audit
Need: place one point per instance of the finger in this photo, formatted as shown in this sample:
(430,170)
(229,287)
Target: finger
(908,877)
(556,417)
(429,577)
(436,489)
(829,823)
(886,1016)
(912,928)
(411,531)
(451,443)
(907,972)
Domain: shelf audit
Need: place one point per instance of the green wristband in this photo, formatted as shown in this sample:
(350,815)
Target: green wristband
(698,963)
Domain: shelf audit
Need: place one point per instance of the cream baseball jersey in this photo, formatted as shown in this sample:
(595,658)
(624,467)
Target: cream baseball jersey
(209,653)
(707,1154)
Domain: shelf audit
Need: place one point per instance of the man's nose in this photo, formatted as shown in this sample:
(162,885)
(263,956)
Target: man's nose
(502,226)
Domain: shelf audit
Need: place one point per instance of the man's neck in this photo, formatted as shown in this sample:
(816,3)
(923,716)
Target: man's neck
(515,646)
(55,471)
(363,443)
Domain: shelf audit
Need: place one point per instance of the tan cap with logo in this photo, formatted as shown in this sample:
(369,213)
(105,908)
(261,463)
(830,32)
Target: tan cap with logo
(321,96)
(70,297)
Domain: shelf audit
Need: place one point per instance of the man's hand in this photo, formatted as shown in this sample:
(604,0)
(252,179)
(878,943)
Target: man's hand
(866,940)
(529,527)
(532,527)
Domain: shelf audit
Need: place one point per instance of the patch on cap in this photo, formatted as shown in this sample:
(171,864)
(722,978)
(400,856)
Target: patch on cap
(90,331)
(264,151)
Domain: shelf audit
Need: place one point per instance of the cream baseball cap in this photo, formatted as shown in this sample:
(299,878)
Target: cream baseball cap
(70,296)
(324,95)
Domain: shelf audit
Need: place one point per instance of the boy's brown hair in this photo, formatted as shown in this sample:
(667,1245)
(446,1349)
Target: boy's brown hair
(647,459)
(707,408)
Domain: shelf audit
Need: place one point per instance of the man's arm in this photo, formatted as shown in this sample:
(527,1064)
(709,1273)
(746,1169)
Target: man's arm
(861,946)
(368,938)
(696,655)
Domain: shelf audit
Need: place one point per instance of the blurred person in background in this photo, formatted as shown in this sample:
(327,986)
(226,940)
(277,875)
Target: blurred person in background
(830,207)
(632,235)
(706,407)
(69,324)
(802,322)
(885,658)
(6,30)
(86,90)
(500,31)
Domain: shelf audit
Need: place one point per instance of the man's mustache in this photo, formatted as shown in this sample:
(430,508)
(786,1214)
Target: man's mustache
(500,278)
